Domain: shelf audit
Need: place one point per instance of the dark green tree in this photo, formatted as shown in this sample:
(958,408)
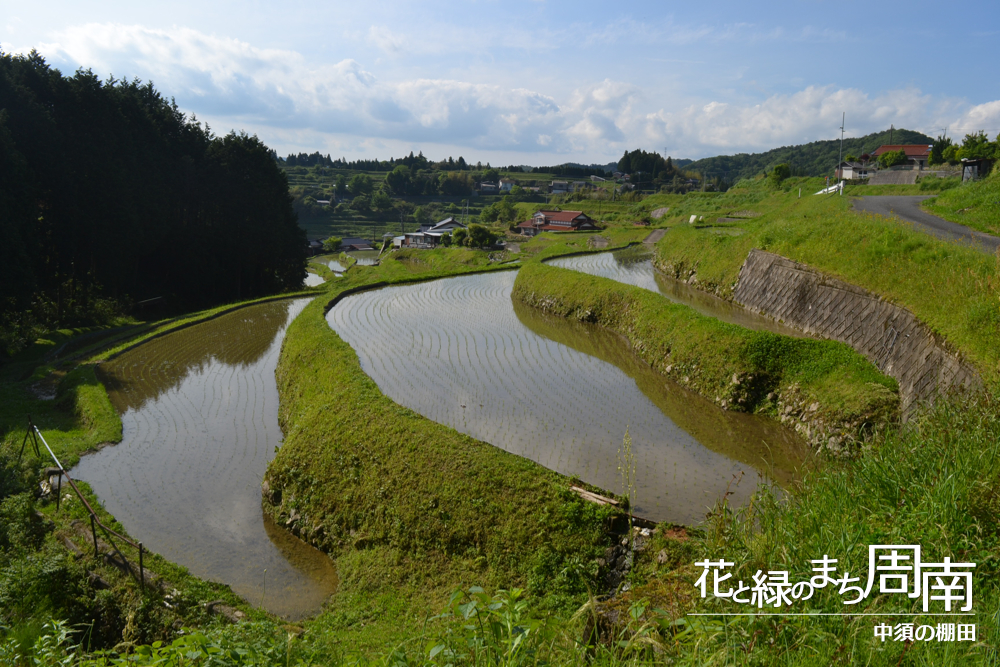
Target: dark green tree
(779,173)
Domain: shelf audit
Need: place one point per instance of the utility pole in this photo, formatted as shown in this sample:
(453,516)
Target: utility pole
(891,129)
(840,171)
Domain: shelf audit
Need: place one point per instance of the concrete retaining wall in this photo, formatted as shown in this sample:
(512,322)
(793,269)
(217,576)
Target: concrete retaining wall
(891,337)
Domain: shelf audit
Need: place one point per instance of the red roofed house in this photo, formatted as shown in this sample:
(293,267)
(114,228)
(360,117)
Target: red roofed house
(557,221)
(916,154)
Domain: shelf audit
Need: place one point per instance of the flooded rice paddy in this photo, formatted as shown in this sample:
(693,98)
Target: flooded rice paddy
(313,280)
(365,257)
(459,352)
(200,415)
(634,266)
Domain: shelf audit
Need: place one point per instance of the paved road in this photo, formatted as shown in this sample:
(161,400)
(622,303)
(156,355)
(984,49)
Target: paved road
(908,208)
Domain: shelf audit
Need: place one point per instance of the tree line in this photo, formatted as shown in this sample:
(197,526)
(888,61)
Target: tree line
(109,195)
(411,161)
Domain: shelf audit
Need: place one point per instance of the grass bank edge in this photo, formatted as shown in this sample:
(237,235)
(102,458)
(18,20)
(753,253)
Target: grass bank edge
(737,368)
(975,204)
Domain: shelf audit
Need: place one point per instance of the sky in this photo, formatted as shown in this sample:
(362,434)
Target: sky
(538,82)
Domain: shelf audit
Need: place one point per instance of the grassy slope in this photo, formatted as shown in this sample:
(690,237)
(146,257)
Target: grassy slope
(409,508)
(975,204)
(933,485)
(951,288)
(936,483)
(705,354)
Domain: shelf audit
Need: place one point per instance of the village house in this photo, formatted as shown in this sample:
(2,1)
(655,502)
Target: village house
(853,170)
(347,245)
(560,187)
(917,155)
(429,235)
(488,188)
(557,221)
(507,184)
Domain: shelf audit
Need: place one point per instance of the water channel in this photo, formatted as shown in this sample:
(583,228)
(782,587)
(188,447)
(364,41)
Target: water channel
(634,266)
(199,411)
(459,352)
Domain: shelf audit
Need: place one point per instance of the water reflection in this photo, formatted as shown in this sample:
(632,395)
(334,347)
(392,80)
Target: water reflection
(365,257)
(634,266)
(200,418)
(313,280)
(455,351)
(757,442)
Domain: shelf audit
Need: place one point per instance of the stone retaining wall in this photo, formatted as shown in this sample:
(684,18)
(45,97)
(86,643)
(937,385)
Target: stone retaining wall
(891,337)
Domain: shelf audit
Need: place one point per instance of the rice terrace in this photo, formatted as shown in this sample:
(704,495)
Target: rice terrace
(316,411)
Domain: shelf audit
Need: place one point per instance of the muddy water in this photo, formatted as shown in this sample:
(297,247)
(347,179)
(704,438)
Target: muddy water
(200,415)
(634,266)
(457,352)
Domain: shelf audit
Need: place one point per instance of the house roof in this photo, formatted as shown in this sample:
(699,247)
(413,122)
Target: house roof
(911,150)
(444,223)
(562,216)
(355,242)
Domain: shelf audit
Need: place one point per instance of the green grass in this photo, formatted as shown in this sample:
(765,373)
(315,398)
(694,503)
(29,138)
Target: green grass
(932,484)
(553,244)
(924,186)
(407,507)
(705,353)
(975,204)
(951,288)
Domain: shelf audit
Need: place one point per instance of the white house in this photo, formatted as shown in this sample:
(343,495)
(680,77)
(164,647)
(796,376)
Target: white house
(430,235)
(853,170)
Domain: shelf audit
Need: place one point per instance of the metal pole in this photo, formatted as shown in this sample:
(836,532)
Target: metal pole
(840,171)
(93,531)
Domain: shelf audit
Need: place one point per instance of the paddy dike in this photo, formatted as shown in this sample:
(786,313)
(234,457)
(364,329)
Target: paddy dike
(199,410)
(562,394)
(634,266)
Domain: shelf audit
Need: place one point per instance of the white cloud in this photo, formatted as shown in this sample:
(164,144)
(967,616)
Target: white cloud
(278,93)
(384,39)
(808,115)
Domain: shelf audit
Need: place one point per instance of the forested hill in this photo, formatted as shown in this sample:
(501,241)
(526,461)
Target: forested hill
(818,158)
(110,195)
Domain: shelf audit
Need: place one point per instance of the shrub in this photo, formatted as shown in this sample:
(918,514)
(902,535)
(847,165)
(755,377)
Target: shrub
(779,174)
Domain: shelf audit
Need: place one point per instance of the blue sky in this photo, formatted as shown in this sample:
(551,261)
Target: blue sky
(539,82)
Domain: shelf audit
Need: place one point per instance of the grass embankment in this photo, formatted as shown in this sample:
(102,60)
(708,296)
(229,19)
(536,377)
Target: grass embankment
(933,484)
(555,244)
(975,204)
(926,185)
(738,368)
(408,508)
(951,288)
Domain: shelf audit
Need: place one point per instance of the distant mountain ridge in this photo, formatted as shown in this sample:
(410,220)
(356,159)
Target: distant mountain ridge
(817,158)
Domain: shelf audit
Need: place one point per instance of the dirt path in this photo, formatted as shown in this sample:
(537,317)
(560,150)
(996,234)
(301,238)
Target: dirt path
(654,236)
